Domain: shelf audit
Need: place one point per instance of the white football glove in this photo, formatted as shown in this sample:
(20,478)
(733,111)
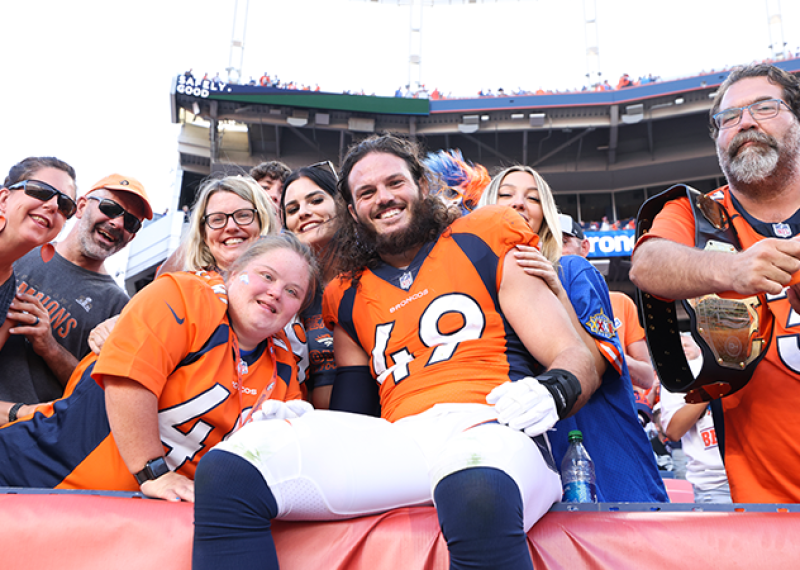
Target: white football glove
(524,405)
(278,410)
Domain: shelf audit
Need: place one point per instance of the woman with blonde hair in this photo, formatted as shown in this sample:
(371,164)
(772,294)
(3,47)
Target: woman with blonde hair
(229,213)
(537,193)
(625,467)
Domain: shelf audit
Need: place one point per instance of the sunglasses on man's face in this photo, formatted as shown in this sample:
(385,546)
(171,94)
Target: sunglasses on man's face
(112,210)
(44,192)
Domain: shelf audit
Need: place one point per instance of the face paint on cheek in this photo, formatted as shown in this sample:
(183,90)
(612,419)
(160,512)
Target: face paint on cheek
(244,278)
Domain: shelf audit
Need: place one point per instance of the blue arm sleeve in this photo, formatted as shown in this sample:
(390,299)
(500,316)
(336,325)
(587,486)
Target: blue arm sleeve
(355,391)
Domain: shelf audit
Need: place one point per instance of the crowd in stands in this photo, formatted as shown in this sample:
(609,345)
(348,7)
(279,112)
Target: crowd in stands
(422,92)
(605,225)
(266,80)
(407,295)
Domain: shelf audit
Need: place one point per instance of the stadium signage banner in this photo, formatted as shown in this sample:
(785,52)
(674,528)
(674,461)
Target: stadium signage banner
(617,243)
(198,87)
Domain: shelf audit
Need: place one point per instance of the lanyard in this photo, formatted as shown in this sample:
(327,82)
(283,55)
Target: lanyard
(241,368)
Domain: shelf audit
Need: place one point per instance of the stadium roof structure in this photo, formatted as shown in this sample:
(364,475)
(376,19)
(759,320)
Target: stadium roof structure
(652,135)
(602,152)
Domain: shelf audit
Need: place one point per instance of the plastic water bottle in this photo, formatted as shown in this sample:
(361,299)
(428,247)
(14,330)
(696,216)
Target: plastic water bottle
(577,472)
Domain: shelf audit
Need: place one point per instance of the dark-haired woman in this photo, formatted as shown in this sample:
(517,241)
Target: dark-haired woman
(37,197)
(308,207)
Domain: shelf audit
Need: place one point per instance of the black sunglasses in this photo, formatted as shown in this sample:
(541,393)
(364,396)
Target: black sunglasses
(112,210)
(44,192)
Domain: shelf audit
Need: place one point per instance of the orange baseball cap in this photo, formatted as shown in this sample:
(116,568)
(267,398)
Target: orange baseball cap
(122,183)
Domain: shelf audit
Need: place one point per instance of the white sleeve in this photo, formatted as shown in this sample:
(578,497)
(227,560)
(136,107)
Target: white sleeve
(671,402)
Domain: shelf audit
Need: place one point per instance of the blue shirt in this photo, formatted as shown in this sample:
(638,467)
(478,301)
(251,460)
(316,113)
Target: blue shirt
(623,458)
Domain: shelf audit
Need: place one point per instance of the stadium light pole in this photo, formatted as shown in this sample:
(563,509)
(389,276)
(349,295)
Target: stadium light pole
(592,43)
(775,24)
(237,43)
(415,30)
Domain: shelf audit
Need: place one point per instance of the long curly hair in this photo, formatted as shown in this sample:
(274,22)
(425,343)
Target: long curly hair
(354,248)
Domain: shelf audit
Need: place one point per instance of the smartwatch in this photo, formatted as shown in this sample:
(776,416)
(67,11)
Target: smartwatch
(153,469)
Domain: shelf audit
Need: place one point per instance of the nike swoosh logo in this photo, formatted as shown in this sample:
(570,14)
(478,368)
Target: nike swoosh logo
(180,321)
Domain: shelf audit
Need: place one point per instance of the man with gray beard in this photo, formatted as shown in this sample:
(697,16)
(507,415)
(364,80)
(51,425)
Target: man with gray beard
(68,295)
(754,122)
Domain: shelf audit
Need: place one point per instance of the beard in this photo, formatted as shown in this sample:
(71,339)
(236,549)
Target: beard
(763,167)
(97,250)
(424,222)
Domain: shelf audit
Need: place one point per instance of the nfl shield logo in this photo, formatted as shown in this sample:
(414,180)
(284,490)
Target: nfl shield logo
(782,230)
(406,280)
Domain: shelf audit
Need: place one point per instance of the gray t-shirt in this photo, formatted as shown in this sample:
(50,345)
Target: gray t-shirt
(77,300)
(7,292)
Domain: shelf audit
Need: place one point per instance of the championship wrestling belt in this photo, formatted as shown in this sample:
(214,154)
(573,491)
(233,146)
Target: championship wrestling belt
(732,332)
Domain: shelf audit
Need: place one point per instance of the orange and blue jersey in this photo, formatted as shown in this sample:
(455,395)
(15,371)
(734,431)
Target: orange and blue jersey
(435,331)
(173,338)
(762,443)
(626,319)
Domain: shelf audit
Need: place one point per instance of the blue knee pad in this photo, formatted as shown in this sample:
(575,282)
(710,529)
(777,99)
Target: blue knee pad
(480,512)
(232,513)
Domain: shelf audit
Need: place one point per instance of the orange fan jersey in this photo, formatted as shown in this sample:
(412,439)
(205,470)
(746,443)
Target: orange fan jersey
(762,442)
(174,339)
(626,319)
(435,331)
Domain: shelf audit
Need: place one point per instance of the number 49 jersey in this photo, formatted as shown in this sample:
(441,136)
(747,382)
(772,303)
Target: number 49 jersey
(435,332)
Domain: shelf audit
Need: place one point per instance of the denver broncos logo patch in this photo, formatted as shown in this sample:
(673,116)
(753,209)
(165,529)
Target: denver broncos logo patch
(601,324)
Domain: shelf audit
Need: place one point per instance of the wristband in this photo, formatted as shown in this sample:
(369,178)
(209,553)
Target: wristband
(565,388)
(12,413)
(355,391)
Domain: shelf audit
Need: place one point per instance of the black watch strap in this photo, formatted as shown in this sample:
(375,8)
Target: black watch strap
(12,413)
(153,469)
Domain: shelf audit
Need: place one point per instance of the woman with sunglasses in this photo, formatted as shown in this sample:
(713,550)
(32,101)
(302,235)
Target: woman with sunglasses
(60,301)
(37,197)
(308,207)
(625,468)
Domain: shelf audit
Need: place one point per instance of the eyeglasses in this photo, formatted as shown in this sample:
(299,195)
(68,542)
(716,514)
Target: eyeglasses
(112,210)
(44,192)
(759,110)
(218,220)
(323,164)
